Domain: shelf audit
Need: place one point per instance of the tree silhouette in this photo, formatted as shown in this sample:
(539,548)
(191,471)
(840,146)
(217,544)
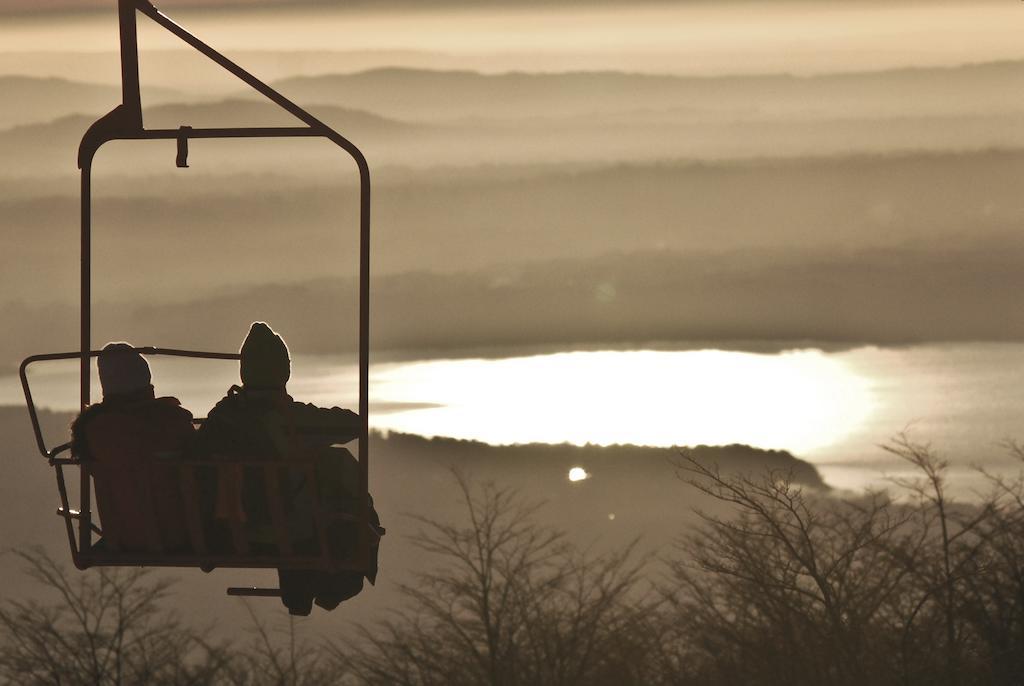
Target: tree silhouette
(510,602)
(104,626)
(791,586)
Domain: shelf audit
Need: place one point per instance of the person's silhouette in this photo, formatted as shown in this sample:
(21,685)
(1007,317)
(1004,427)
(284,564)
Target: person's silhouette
(125,442)
(260,420)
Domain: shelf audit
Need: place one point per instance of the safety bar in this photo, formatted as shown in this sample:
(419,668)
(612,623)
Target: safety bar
(51,454)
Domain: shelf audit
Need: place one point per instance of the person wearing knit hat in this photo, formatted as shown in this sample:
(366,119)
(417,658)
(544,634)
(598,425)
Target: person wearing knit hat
(259,420)
(123,370)
(266,363)
(118,438)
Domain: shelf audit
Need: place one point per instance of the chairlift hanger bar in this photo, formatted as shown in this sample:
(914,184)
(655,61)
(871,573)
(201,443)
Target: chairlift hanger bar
(129,114)
(125,122)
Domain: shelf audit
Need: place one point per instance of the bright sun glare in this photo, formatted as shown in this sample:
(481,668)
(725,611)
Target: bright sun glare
(798,400)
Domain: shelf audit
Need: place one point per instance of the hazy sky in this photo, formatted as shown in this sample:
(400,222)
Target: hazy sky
(696,37)
(64,5)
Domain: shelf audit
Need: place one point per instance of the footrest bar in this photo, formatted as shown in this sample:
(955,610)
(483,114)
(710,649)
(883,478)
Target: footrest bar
(255,592)
(75,514)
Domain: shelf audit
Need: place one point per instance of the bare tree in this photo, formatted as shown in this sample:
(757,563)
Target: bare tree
(792,586)
(789,587)
(797,587)
(281,657)
(104,626)
(957,537)
(510,602)
(992,587)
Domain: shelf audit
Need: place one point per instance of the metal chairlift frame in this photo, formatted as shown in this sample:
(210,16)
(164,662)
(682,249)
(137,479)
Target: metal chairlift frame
(124,123)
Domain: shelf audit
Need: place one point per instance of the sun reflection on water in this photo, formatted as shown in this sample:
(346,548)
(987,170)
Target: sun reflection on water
(578,474)
(799,400)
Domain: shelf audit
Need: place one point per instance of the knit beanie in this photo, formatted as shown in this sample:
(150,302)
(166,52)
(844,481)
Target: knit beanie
(265,362)
(122,370)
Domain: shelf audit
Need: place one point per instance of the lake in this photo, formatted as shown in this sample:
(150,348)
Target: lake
(830,408)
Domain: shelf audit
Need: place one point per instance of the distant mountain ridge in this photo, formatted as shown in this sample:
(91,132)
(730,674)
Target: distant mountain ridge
(638,137)
(434,94)
(996,67)
(765,299)
(406,93)
(28,99)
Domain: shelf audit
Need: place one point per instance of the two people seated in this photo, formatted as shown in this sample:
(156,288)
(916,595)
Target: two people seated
(132,431)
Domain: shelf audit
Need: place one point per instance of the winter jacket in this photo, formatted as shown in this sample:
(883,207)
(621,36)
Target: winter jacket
(128,444)
(257,424)
(270,425)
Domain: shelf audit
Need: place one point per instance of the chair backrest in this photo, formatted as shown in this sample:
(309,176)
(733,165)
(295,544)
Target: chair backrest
(228,542)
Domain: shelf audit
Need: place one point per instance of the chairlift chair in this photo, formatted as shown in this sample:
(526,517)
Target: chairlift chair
(125,123)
